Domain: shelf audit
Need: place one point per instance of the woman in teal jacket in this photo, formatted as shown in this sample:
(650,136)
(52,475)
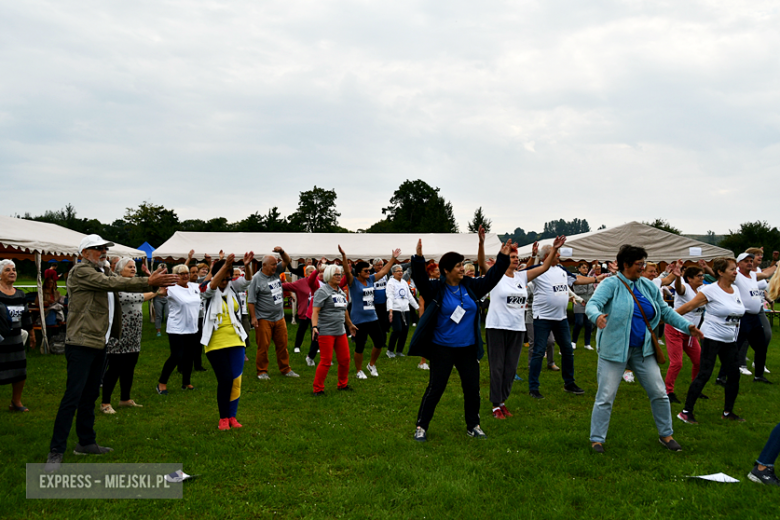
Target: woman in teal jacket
(624,341)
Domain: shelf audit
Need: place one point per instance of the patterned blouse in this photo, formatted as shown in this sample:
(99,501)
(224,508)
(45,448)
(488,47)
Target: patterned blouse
(132,325)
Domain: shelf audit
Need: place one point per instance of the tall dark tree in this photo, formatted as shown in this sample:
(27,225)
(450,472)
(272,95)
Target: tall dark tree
(479,220)
(316,212)
(753,234)
(417,207)
(663,225)
(151,223)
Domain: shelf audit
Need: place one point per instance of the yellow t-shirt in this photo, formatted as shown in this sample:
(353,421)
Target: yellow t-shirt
(224,336)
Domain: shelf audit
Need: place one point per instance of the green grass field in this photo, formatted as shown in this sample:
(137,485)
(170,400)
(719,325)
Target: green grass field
(352,455)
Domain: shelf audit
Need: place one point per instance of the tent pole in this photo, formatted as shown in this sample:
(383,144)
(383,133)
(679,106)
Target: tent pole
(45,340)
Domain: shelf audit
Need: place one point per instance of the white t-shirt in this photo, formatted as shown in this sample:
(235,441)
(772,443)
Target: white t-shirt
(551,294)
(693,317)
(752,296)
(724,311)
(508,301)
(184,306)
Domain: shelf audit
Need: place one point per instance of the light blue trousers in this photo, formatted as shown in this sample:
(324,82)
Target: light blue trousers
(647,373)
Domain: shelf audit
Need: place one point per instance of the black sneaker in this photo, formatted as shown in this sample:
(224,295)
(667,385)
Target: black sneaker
(671,445)
(476,432)
(420,435)
(720,381)
(672,398)
(766,476)
(732,417)
(761,379)
(346,389)
(321,393)
(572,388)
(598,447)
(535,394)
(91,449)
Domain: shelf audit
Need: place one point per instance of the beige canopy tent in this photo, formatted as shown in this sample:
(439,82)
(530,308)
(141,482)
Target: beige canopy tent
(661,246)
(364,246)
(22,239)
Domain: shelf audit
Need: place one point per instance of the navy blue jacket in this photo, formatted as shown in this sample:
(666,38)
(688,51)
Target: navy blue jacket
(432,292)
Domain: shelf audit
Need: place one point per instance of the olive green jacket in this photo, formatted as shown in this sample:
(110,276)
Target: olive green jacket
(88,289)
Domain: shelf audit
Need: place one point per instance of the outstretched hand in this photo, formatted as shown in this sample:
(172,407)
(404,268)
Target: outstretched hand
(248,257)
(558,242)
(159,278)
(481,234)
(419,247)
(676,270)
(340,251)
(507,247)
(145,270)
(535,250)
(396,253)
(612,267)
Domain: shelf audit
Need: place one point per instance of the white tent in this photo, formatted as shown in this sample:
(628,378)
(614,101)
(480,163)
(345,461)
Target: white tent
(661,246)
(364,246)
(22,239)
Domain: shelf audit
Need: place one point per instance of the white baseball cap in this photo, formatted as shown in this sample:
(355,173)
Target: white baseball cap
(93,241)
(744,255)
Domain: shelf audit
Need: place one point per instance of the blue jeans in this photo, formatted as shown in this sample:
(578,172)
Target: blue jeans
(771,449)
(648,374)
(560,330)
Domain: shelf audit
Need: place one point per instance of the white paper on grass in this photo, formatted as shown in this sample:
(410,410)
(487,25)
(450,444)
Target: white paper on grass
(177,476)
(716,477)
(567,252)
(694,251)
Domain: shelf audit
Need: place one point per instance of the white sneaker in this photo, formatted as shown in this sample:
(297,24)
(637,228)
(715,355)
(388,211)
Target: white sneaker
(423,366)
(766,370)
(628,376)
(390,354)
(372,370)
(588,347)
(660,342)
(361,375)
(745,372)
(400,354)
(263,377)
(309,361)
(296,350)
(291,374)
(573,346)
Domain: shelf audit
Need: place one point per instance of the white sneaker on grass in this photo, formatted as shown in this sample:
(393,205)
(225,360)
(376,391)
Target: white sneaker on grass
(573,346)
(588,347)
(309,361)
(291,374)
(372,370)
(390,354)
(423,366)
(263,377)
(745,372)
(361,375)
(296,350)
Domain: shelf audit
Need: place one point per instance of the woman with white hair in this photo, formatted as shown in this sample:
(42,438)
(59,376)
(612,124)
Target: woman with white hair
(399,298)
(328,319)
(182,329)
(14,317)
(122,353)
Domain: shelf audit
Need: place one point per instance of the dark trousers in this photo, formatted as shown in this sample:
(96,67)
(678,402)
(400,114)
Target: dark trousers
(381,313)
(197,359)
(366,329)
(183,349)
(771,448)
(314,347)
(710,351)
(504,351)
(85,366)
(303,327)
(581,321)
(464,359)
(751,333)
(542,329)
(400,331)
(120,367)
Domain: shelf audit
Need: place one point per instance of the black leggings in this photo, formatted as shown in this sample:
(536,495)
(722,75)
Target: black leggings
(710,351)
(366,329)
(400,331)
(183,350)
(314,347)
(120,367)
(303,327)
(751,333)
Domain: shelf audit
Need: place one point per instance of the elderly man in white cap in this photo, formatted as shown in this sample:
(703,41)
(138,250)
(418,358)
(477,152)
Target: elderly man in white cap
(94,316)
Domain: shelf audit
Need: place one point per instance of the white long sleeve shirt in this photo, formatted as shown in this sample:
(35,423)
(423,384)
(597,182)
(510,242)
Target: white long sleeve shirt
(399,296)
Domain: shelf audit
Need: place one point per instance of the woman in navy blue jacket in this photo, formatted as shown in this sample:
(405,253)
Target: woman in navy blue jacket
(449,334)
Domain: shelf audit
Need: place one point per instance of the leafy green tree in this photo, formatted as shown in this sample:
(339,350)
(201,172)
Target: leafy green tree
(316,212)
(151,223)
(663,225)
(753,234)
(416,207)
(555,228)
(479,220)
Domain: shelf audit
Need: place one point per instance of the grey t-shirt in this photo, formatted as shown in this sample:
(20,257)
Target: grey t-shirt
(333,305)
(265,292)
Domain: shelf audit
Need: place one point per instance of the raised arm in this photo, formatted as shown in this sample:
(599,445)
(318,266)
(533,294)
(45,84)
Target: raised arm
(483,267)
(678,285)
(285,257)
(766,273)
(707,269)
(189,257)
(345,267)
(223,272)
(549,259)
(389,265)
(248,257)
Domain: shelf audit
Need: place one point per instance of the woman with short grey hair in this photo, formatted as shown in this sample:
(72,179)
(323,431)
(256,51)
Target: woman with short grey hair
(15,318)
(399,298)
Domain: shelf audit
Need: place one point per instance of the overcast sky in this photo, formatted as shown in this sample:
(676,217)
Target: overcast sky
(610,111)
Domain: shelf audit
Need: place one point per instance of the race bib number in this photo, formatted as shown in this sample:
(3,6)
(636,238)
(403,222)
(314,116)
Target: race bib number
(563,288)
(380,285)
(276,292)
(733,320)
(15,313)
(756,294)
(339,301)
(368,298)
(516,301)
(457,314)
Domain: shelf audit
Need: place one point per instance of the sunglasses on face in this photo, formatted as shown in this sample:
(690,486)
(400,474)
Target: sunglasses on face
(98,248)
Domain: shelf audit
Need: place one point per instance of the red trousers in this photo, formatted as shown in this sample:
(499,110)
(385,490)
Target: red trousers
(327,345)
(676,344)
